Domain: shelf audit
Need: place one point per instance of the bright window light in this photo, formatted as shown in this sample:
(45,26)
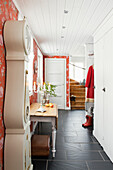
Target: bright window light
(30,68)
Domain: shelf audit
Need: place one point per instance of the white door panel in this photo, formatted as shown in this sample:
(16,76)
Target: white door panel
(103,115)
(57,78)
(98,118)
(108,94)
(55,74)
(57,100)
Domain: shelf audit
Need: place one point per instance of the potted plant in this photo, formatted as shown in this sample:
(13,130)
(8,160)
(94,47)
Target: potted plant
(49,90)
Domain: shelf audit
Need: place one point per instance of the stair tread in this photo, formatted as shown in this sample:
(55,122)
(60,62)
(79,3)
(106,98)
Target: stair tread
(77,85)
(74,80)
(74,91)
(77,97)
(77,94)
(78,91)
(77,105)
(78,88)
(81,108)
(79,101)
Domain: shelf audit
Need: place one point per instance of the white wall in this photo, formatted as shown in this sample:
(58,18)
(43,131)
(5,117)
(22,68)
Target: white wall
(76,73)
(89,58)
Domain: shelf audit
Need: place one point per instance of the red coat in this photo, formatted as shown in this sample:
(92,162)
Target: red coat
(90,83)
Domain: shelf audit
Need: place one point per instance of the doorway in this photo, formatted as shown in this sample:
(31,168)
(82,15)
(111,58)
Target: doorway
(55,73)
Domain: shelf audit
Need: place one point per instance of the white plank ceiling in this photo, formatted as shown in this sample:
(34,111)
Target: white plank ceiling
(62,33)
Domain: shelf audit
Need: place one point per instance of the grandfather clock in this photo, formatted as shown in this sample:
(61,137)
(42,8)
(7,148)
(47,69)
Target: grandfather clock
(17,150)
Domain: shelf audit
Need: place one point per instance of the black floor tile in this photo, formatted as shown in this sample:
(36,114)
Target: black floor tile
(83,155)
(67,118)
(94,139)
(77,148)
(67,133)
(104,155)
(59,155)
(69,128)
(78,127)
(77,139)
(59,139)
(85,134)
(66,165)
(91,146)
(60,124)
(60,128)
(68,147)
(39,165)
(103,165)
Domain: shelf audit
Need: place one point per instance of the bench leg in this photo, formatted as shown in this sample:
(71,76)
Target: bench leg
(53,140)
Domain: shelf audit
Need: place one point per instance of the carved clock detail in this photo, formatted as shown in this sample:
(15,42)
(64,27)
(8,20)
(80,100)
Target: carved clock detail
(27,39)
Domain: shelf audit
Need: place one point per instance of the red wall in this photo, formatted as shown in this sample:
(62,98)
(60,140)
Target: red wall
(8,11)
(67,74)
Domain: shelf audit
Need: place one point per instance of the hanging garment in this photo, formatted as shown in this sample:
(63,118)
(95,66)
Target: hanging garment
(90,83)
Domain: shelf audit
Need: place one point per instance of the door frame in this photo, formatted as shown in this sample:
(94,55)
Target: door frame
(40,71)
(60,59)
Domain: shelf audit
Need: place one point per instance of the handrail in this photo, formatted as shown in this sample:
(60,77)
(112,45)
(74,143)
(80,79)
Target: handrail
(77,66)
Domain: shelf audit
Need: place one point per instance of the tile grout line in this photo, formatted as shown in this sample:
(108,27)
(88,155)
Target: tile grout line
(47,165)
(66,155)
(87,165)
(49,160)
(101,156)
(94,140)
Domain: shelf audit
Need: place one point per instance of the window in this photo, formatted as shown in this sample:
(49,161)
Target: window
(79,72)
(76,72)
(30,68)
(40,67)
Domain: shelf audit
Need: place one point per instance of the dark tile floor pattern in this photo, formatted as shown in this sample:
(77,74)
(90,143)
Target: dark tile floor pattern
(77,149)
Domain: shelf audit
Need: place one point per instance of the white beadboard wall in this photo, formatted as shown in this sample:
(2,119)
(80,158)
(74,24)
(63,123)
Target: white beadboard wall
(103,61)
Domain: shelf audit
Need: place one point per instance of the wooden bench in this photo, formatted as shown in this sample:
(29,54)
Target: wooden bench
(40,145)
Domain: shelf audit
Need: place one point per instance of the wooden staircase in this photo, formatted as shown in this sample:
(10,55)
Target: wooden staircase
(78,91)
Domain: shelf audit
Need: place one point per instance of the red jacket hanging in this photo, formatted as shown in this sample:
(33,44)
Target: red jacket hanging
(90,83)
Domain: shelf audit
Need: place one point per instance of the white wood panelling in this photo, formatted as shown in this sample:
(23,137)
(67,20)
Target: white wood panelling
(46,18)
(103,49)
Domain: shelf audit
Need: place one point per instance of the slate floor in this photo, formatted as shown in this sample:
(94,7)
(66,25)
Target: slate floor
(77,149)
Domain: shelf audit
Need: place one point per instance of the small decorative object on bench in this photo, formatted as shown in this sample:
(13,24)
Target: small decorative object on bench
(40,145)
(45,91)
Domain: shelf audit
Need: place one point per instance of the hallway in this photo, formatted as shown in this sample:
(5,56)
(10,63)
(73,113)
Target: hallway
(77,149)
